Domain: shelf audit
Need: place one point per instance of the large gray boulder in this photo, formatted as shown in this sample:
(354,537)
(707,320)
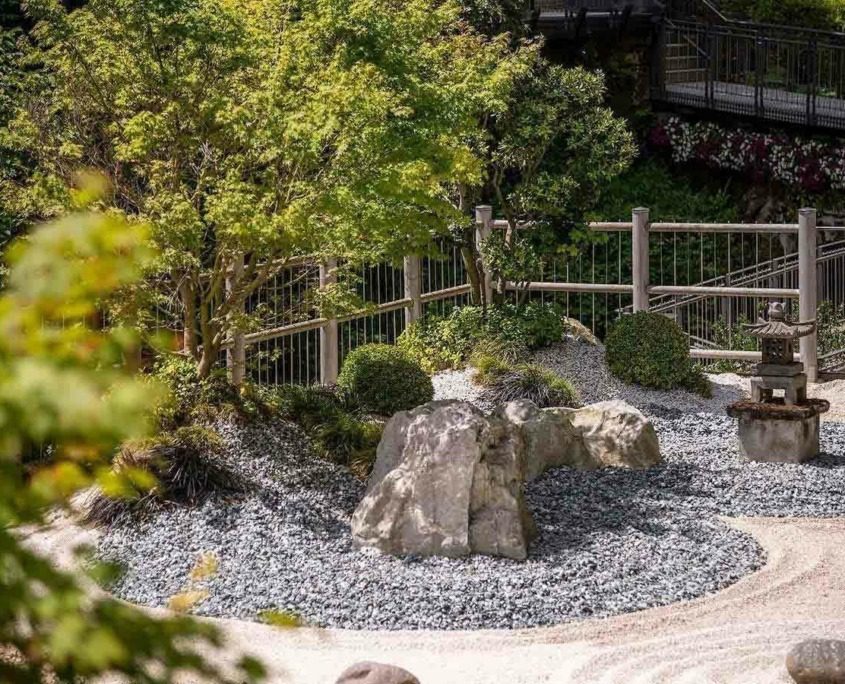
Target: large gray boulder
(448,480)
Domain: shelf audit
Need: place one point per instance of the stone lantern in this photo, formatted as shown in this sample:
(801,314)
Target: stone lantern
(779,370)
(771,428)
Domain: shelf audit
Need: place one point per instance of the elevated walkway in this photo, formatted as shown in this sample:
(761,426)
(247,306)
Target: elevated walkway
(704,59)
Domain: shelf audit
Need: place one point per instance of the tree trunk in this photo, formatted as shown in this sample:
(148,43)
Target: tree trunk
(190,343)
(470,258)
(207,360)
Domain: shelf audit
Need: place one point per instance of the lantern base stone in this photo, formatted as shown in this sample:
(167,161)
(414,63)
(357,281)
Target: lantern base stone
(779,433)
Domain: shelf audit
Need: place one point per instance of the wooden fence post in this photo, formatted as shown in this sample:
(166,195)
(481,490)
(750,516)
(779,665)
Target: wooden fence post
(640,258)
(236,354)
(329,361)
(413,289)
(483,230)
(807,288)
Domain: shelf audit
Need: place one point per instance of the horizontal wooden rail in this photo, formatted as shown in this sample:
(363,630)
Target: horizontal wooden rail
(281,331)
(318,323)
(723,228)
(427,297)
(387,307)
(611,226)
(624,227)
(729,355)
(598,288)
(772,292)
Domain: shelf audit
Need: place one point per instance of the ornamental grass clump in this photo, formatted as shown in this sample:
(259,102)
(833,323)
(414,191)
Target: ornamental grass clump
(184,468)
(504,383)
(651,350)
(383,380)
(338,429)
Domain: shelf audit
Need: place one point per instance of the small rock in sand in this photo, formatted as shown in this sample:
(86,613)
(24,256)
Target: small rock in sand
(376,673)
(817,661)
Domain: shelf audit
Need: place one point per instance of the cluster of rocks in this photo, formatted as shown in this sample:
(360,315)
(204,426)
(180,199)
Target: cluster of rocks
(814,661)
(448,479)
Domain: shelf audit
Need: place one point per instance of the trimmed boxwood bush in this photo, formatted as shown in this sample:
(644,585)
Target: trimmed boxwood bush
(384,379)
(650,349)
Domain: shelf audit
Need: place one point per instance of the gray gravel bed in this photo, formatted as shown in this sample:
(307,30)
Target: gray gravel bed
(610,542)
(584,366)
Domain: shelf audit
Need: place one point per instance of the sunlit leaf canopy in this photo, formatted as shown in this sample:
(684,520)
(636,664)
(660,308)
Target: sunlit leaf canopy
(256,131)
(308,126)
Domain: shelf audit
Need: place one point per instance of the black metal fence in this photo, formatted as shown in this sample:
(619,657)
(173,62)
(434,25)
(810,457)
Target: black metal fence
(760,71)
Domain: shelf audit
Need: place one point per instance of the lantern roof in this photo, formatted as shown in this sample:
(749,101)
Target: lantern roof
(775,326)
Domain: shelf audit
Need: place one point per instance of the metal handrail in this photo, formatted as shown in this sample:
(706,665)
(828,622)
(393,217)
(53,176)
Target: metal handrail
(749,274)
(766,71)
(590,5)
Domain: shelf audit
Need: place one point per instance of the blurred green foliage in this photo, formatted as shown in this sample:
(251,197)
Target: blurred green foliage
(67,380)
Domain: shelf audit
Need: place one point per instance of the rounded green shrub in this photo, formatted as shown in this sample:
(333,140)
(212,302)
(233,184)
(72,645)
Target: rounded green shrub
(384,379)
(650,349)
(421,341)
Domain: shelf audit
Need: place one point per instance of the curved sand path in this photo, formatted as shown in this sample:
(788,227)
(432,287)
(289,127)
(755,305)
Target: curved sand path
(741,634)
